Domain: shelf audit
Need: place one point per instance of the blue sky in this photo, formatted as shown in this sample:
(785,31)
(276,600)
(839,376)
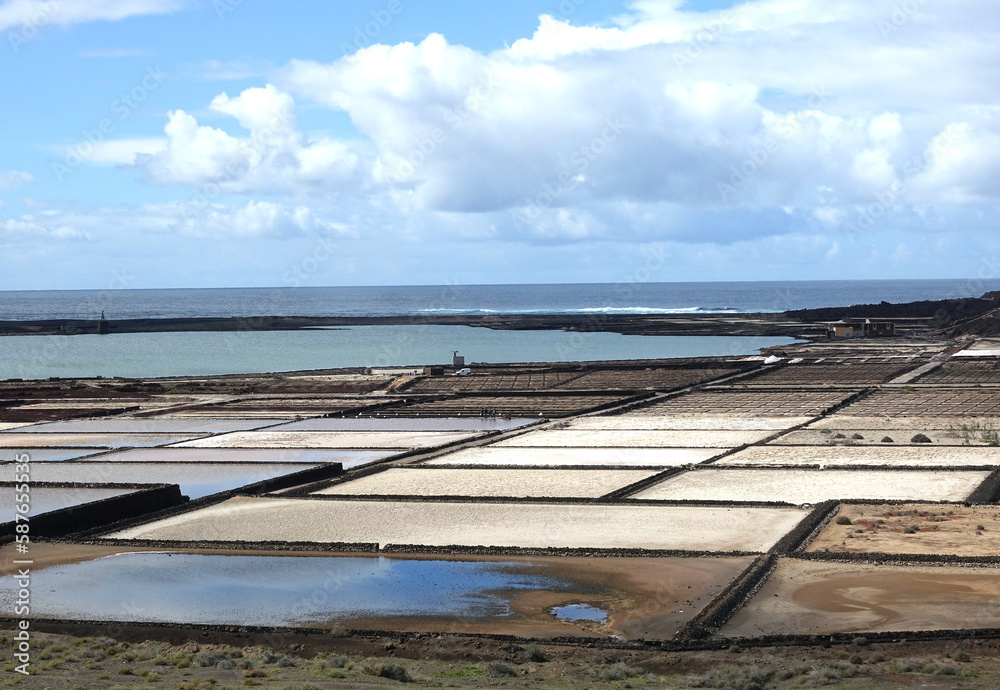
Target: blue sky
(203,143)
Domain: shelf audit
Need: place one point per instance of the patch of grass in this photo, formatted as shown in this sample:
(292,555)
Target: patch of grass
(534,654)
(730,677)
(619,671)
(498,669)
(394,672)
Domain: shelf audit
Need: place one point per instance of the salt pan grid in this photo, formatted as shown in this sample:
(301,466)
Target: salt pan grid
(147,425)
(814,486)
(884,438)
(487,482)
(749,403)
(48,454)
(429,523)
(329,439)
(845,456)
(17,439)
(195,480)
(628,438)
(686,422)
(347,458)
(598,457)
(404,424)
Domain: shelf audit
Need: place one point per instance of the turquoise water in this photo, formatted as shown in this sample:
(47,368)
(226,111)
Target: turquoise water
(276,590)
(139,355)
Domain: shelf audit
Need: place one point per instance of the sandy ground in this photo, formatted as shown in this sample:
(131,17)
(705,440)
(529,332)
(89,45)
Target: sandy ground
(953,530)
(328,439)
(583,438)
(692,422)
(596,457)
(516,483)
(873,437)
(841,422)
(844,456)
(814,486)
(34,440)
(804,597)
(478,524)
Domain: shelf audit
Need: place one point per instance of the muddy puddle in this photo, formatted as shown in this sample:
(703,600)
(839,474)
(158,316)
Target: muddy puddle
(535,597)
(804,597)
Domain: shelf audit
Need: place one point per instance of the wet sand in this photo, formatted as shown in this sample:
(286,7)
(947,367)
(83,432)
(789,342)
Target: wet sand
(804,597)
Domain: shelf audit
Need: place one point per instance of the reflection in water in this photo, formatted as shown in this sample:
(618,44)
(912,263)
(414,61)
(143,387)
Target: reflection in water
(276,590)
(580,612)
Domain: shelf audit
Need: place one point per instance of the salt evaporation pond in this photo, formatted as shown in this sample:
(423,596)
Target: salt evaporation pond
(277,590)
(47,454)
(403,424)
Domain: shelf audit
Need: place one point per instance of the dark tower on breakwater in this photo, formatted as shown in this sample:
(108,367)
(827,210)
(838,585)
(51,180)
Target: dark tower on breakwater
(102,325)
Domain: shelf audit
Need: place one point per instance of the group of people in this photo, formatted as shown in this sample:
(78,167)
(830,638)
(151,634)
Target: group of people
(492,413)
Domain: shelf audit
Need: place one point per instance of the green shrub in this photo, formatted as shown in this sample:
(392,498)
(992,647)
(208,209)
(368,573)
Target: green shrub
(395,672)
(498,669)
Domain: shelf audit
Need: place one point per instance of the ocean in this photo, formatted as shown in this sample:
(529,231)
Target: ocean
(608,298)
(140,355)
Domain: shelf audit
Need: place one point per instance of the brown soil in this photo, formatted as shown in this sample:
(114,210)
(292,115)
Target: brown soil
(940,530)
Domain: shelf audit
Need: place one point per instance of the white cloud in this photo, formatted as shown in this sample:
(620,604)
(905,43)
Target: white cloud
(32,15)
(254,219)
(776,118)
(14,178)
(274,156)
(123,151)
